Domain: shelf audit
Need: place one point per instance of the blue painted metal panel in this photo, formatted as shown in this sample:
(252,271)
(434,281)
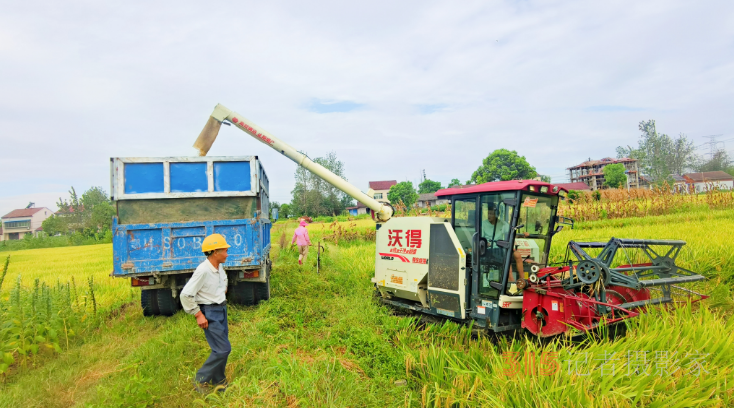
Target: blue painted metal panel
(144,244)
(146,248)
(232,176)
(188,177)
(143,178)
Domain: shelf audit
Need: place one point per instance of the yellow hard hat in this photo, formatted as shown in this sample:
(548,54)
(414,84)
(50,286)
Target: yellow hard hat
(212,242)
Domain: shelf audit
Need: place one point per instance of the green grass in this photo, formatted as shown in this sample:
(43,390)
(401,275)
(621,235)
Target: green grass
(322,341)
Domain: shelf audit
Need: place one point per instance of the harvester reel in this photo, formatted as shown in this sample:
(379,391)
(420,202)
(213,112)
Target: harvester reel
(588,272)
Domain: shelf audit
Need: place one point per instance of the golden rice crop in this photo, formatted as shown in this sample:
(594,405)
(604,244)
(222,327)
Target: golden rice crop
(621,203)
(681,358)
(47,296)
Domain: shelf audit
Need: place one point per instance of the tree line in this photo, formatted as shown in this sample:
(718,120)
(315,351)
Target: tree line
(89,215)
(314,197)
(660,156)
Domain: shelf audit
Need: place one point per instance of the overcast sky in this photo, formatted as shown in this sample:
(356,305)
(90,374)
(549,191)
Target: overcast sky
(391,87)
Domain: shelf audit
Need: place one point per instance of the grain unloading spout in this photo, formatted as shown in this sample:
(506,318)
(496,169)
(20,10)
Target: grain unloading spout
(383,211)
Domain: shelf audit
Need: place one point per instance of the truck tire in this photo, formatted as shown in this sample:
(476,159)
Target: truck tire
(167,304)
(243,293)
(149,302)
(262,290)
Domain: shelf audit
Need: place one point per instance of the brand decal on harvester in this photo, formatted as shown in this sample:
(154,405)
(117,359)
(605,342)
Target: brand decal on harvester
(390,257)
(252,131)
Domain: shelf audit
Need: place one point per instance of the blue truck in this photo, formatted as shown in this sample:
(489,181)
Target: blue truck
(164,209)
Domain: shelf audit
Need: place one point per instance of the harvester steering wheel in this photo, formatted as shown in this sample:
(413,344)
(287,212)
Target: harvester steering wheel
(482,250)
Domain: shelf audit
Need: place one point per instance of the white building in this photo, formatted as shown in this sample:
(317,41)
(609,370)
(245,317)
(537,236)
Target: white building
(18,223)
(706,180)
(381,188)
(429,200)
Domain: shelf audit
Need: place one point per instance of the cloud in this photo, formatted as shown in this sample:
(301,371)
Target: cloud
(431,108)
(391,87)
(317,106)
(612,108)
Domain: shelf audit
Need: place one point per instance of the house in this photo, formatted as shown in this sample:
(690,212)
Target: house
(578,186)
(359,209)
(429,200)
(701,182)
(381,188)
(591,172)
(19,223)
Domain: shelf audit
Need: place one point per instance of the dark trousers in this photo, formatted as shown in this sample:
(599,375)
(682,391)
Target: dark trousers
(217,335)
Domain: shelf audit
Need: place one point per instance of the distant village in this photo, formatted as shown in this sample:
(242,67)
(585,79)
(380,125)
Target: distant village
(587,176)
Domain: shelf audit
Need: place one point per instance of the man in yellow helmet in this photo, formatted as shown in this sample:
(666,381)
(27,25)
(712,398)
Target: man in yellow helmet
(204,297)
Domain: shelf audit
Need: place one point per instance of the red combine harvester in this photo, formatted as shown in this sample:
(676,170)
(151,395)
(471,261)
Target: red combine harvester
(489,264)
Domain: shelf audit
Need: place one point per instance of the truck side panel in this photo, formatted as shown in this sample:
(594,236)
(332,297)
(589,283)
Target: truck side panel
(141,249)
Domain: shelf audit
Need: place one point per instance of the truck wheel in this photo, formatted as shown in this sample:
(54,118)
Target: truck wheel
(149,302)
(167,304)
(243,293)
(262,290)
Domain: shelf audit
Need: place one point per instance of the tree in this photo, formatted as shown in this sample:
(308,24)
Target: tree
(97,211)
(454,183)
(404,192)
(501,165)
(614,175)
(313,196)
(89,214)
(658,154)
(683,154)
(285,211)
(719,161)
(544,178)
(54,225)
(429,186)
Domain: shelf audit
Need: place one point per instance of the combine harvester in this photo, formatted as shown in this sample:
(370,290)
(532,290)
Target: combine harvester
(462,269)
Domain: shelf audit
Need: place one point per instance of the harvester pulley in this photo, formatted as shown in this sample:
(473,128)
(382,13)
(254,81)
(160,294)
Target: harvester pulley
(588,272)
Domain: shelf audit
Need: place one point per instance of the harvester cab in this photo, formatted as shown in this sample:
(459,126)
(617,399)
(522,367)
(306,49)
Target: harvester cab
(489,264)
(475,265)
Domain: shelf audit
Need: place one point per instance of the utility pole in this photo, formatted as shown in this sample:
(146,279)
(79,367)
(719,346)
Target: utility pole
(712,144)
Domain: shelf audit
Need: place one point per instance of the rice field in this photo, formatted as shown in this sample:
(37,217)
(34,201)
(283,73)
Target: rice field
(322,341)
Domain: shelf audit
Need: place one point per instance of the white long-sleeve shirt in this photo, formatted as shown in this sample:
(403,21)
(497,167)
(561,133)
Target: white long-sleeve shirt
(499,231)
(207,286)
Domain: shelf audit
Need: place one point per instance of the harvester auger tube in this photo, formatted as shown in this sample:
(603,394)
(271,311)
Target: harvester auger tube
(207,136)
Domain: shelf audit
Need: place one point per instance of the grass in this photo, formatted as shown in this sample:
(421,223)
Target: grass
(322,341)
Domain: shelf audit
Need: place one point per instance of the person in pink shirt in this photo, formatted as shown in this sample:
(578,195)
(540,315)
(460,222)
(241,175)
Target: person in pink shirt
(300,236)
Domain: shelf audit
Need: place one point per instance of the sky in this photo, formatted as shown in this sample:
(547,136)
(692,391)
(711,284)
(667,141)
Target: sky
(393,88)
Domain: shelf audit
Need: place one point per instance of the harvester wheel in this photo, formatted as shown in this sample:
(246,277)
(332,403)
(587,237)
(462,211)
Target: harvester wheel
(167,304)
(243,293)
(149,302)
